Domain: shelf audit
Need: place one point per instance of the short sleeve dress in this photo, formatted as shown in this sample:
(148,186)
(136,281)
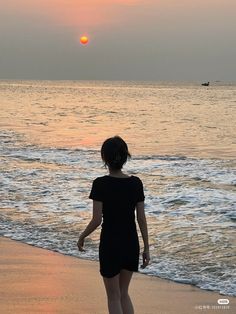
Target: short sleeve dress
(119,244)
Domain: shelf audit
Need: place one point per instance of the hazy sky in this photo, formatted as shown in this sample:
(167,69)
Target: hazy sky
(129,39)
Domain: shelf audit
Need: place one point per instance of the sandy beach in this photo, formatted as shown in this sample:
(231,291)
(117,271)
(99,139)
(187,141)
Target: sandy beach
(35,280)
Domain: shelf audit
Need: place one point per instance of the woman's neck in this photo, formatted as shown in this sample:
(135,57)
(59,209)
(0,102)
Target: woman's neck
(117,173)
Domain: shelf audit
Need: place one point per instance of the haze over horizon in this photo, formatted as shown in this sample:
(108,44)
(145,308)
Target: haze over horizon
(129,40)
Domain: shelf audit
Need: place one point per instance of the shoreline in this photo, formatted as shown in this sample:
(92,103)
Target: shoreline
(37,280)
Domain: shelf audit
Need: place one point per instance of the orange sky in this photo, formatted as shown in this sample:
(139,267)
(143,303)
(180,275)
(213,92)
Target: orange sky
(83,13)
(90,13)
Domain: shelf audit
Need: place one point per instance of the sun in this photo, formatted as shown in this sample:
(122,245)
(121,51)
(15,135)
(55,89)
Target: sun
(84,40)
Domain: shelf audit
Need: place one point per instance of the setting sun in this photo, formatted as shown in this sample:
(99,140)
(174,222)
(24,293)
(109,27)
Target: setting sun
(84,40)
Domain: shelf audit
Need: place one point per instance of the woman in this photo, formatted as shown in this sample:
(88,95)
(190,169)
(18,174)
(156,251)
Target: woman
(115,198)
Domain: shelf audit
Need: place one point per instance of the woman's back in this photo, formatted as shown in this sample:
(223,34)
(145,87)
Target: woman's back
(119,196)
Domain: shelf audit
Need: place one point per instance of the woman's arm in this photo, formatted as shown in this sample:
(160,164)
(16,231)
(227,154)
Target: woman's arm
(94,223)
(141,218)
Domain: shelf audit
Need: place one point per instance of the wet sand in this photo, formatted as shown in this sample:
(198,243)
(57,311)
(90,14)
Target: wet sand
(35,280)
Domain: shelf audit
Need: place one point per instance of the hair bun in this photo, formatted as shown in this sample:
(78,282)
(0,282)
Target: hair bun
(115,152)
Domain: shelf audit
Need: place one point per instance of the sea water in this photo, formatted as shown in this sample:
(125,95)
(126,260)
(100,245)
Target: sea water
(182,140)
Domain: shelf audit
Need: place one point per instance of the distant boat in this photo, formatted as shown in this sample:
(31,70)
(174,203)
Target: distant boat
(206,84)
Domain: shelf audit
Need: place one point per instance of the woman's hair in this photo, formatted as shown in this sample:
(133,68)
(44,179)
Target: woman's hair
(114,152)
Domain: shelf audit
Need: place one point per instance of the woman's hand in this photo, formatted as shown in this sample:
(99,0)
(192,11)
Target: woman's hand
(146,259)
(80,244)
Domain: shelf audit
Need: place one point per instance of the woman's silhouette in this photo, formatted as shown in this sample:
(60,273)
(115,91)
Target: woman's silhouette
(115,198)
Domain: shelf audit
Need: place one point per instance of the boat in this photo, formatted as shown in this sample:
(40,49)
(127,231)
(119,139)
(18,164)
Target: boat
(206,84)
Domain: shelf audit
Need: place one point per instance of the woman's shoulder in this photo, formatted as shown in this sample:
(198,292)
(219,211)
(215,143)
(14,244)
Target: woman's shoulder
(105,178)
(99,179)
(136,178)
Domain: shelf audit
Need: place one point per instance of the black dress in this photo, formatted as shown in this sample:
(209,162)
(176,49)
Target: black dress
(119,244)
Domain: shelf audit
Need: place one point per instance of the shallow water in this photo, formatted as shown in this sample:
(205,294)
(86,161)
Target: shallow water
(183,142)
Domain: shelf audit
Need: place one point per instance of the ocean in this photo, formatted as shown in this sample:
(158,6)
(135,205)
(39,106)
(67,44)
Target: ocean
(183,145)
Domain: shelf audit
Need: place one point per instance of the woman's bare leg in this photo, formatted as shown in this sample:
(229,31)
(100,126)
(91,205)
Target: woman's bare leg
(125,277)
(113,294)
